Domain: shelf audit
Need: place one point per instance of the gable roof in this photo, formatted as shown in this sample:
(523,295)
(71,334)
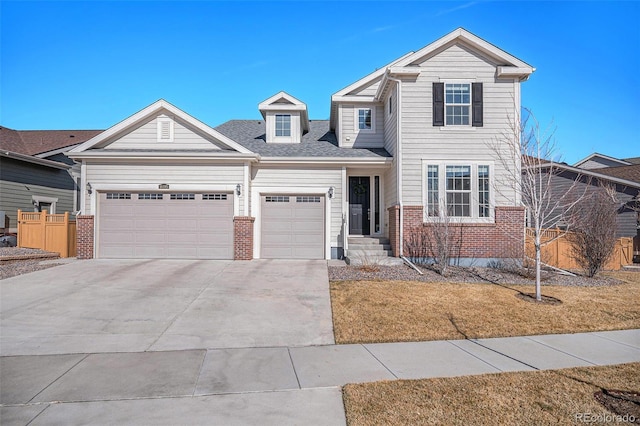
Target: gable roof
(144,114)
(318,144)
(282,101)
(605,157)
(630,173)
(33,142)
(629,177)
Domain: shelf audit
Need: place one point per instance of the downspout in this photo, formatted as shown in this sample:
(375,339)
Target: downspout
(399,162)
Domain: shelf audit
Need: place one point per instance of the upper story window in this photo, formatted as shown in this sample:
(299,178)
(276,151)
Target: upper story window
(283,125)
(365,120)
(457,104)
(390,104)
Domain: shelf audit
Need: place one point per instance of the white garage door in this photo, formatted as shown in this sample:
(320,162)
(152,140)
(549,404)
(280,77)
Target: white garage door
(162,225)
(292,227)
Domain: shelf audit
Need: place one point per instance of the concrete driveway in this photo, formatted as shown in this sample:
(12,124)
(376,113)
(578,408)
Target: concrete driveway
(156,305)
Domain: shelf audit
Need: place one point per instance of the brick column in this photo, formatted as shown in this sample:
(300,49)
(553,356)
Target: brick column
(243,237)
(84,237)
(394,229)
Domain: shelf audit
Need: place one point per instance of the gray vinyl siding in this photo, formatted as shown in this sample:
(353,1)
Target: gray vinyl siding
(184,174)
(146,137)
(390,140)
(305,177)
(421,140)
(14,196)
(61,158)
(13,170)
(369,90)
(362,139)
(598,163)
(626,221)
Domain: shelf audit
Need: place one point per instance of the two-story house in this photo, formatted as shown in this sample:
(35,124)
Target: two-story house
(403,146)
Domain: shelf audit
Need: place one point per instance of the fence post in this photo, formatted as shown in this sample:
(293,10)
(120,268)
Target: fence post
(19,231)
(43,225)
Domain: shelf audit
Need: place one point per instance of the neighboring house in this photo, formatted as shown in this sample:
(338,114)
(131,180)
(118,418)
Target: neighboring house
(35,175)
(402,145)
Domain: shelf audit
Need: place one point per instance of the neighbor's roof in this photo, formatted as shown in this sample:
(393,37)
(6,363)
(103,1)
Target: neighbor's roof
(631,173)
(318,142)
(32,142)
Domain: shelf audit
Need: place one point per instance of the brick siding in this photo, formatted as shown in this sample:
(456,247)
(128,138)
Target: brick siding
(504,238)
(84,237)
(243,237)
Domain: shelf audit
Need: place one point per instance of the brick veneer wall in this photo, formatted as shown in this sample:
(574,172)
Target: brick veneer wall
(502,239)
(243,237)
(84,237)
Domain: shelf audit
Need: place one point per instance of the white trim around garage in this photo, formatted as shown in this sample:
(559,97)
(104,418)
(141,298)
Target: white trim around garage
(256,193)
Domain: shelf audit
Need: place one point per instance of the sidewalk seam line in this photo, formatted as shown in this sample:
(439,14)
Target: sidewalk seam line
(615,341)
(195,386)
(38,415)
(561,351)
(59,377)
(294,368)
(477,342)
(476,356)
(381,363)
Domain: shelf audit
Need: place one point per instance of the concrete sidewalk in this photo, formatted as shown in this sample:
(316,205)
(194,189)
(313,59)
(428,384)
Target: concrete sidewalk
(281,385)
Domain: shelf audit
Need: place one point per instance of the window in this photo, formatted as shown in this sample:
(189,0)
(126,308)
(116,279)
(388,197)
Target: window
(457,104)
(365,119)
(283,125)
(433,209)
(276,199)
(457,190)
(483,191)
(149,196)
(183,196)
(118,196)
(390,104)
(218,197)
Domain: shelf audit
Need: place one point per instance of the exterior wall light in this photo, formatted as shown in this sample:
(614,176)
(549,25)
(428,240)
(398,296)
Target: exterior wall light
(239,189)
(89,189)
(331,190)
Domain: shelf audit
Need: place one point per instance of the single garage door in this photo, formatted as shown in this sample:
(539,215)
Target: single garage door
(292,227)
(162,225)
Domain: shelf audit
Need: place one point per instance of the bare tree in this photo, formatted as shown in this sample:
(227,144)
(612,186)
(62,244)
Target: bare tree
(593,236)
(526,154)
(439,240)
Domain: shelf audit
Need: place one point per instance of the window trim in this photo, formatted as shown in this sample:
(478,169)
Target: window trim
(356,118)
(474,197)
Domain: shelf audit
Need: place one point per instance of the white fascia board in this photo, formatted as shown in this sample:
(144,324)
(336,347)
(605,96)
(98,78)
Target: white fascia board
(384,162)
(168,155)
(56,151)
(586,172)
(269,103)
(150,111)
(35,160)
(470,39)
(368,79)
(514,72)
(394,72)
(354,99)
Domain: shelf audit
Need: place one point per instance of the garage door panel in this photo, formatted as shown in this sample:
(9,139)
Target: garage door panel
(165,228)
(293,229)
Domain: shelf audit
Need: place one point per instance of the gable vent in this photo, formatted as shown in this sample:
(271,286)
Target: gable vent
(165,129)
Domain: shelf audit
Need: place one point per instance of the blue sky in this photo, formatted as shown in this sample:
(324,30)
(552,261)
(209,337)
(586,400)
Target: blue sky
(88,65)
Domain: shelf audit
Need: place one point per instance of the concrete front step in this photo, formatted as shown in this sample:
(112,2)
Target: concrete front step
(368,240)
(369,252)
(382,260)
(376,247)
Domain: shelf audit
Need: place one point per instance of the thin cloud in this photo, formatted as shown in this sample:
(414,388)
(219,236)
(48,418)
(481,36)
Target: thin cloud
(455,9)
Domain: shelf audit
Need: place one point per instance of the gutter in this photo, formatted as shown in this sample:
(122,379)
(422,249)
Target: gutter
(35,160)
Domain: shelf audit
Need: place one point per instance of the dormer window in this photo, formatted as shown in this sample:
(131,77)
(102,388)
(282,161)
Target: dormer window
(364,118)
(283,125)
(165,129)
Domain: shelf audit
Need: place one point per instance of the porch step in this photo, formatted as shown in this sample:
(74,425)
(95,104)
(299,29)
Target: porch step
(370,251)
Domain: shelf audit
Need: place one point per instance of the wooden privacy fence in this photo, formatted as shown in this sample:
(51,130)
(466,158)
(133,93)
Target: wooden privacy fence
(558,253)
(50,232)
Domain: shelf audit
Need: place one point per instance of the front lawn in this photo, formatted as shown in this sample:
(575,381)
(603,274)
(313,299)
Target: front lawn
(531,398)
(395,311)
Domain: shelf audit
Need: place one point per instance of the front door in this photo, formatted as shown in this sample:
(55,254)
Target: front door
(359,207)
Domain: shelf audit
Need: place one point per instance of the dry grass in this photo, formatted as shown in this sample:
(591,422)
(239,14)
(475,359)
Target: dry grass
(531,398)
(394,311)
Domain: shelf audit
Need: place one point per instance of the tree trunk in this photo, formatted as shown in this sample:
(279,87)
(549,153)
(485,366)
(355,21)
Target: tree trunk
(538,262)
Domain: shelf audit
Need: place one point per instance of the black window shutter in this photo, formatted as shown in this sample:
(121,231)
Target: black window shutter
(438,104)
(476,104)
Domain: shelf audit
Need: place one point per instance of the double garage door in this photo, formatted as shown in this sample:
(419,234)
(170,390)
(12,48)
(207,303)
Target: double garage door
(161,225)
(144,225)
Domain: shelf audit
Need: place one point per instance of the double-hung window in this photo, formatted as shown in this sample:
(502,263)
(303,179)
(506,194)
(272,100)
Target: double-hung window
(457,190)
(457,104)
(365,119)
(283,125)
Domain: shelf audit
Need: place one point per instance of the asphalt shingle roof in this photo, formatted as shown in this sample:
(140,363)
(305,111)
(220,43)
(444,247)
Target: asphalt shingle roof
(320,141)
(32,142)
(631,173)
